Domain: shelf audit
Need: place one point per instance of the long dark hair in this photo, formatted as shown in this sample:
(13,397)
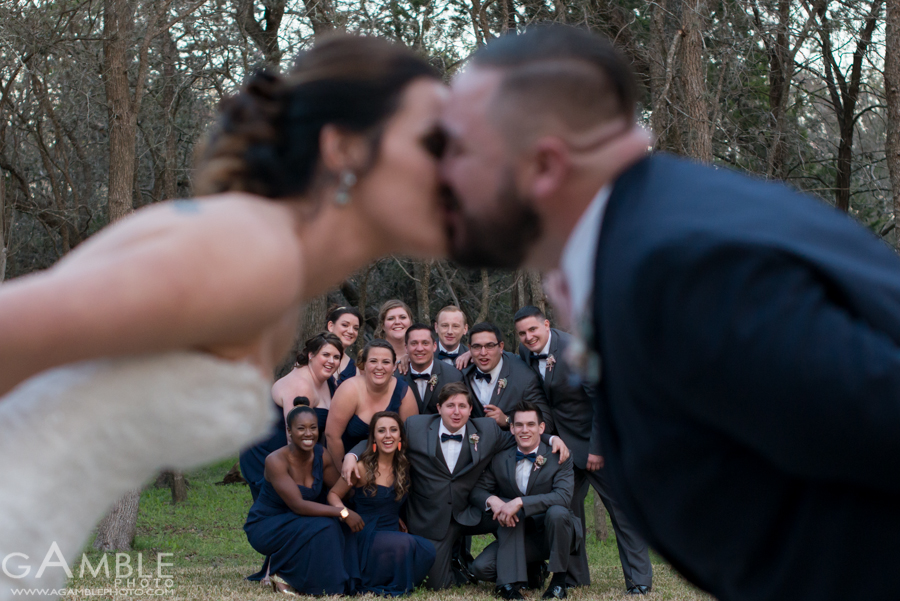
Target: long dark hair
(315,344)
(369,459)
(266,141)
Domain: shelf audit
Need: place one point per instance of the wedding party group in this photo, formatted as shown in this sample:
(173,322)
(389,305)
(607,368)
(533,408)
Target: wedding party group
(434,454)
(736,389)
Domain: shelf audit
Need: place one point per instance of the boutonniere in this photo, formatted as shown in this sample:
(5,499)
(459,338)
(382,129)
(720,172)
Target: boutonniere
(432,382)
(539,461)
(501,384)
(474,438)
(551,361)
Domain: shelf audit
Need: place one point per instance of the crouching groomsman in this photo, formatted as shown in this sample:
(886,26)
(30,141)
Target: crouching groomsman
(499,381)
(528,491)
(447,454)
(426,376)
(544,349)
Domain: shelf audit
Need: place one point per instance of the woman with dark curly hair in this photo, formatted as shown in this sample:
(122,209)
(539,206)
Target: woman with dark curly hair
(383,558)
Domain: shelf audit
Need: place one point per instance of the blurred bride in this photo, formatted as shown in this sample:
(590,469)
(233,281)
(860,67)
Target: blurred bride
(152,344)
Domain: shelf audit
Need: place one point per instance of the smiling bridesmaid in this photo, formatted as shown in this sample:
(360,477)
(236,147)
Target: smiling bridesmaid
(374,389)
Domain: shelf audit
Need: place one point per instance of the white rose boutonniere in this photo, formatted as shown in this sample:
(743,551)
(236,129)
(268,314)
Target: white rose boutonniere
(474,438)
(501,384)
(551,361)
(432,382)
(539,461)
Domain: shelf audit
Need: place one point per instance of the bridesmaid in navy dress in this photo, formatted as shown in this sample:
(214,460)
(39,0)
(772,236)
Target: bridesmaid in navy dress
(344,322)
(359,398)
(300,537)
(315,365)
(383,558)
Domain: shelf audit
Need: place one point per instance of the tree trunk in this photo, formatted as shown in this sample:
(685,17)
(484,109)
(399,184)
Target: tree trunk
(892,89)
(3,250)
(693,70)
(601,530)
(485,296)
(170,161)
(422,274)
(116,530)
(536,287)
(118,25)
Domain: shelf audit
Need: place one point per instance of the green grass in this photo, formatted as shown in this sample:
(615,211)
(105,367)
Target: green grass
(211,556)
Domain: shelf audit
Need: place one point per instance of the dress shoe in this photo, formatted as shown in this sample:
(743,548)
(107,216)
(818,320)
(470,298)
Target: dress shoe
(537,575)
(638,589)
(555,591)
(458,565)
(509,591)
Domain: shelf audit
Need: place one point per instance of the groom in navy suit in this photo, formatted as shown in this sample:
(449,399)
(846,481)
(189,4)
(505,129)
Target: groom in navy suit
(745,338)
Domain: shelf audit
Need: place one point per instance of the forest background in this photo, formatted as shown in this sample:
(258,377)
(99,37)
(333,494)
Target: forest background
(102,103)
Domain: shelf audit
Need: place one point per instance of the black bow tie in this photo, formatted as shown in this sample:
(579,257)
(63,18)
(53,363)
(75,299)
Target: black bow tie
(446,355)
(480,375)
(446,437)
(540,357)
(530,456)
(419,376)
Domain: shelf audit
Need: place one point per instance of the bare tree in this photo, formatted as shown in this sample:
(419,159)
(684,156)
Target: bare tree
(892,91)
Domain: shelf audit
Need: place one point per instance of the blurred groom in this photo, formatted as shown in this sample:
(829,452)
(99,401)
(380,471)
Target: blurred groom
(745,338)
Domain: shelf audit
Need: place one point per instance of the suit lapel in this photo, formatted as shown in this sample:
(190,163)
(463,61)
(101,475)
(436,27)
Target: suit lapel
(509,466)
(544,451)
(468,450)
(504,374)
(433,443)
(415,389)
(551,373)
(436,370)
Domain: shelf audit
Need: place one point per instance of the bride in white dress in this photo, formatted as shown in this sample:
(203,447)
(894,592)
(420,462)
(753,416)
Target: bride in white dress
(152,345)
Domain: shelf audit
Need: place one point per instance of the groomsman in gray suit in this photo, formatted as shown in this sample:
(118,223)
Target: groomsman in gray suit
(499,381)
(447,454)
(528,491)
(426,376)
(544,349)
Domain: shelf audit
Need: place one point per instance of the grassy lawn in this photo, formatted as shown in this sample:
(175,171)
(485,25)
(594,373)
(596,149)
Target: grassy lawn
(210,555)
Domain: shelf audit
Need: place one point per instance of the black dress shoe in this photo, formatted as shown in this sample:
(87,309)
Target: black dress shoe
(509,591)
(638,589)
(537,575)
(555,591)
(461,567)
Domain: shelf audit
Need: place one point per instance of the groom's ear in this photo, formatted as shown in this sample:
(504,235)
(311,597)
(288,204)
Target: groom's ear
(340,149)
(548,166)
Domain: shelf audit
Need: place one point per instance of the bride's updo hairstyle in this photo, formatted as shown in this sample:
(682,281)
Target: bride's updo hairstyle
(266,141)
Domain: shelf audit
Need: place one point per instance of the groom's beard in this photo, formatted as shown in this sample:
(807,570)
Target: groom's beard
(499,240)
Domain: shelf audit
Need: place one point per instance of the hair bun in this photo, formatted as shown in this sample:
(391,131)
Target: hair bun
(301,401)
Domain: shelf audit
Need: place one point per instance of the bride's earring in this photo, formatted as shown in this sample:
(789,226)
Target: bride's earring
(346,181)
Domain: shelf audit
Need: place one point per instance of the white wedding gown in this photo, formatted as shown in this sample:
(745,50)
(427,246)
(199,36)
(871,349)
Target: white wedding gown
(75,439)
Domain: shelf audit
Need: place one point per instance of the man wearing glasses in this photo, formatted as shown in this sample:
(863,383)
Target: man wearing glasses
(499,381)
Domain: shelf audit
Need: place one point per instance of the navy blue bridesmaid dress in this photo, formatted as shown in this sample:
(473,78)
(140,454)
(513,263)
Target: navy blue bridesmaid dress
(380,558)
(253,460)
(357,430)
(304,550)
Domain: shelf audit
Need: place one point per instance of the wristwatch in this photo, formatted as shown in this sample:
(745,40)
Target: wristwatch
(345,513)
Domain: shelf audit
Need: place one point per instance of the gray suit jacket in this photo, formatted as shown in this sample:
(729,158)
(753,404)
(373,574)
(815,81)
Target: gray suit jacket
(446,373)
(570,400)
(435,494)
(550,484)
(521,384)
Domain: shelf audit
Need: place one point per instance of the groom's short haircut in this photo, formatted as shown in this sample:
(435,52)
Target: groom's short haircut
(576,76)
(419,326)
(453,389)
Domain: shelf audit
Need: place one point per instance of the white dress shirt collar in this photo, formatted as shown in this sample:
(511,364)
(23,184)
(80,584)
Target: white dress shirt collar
(441,347)
(580,252)
(427,370)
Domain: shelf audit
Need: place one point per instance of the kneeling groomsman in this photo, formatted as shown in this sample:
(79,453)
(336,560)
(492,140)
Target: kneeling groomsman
(426,376)
(544,349)
(528,490)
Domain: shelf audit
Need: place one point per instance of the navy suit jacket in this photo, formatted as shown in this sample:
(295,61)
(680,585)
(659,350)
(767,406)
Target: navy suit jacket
(749,399)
